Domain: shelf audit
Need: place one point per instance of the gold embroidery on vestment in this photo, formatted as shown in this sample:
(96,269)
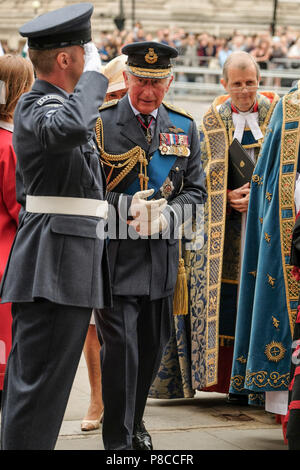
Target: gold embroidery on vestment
(267,237)
(271,280)
(288,156)
(242,359)
(268,196)
(275,351)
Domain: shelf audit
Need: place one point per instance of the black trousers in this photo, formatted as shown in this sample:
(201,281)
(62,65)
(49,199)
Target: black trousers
(134,332)
(47,341)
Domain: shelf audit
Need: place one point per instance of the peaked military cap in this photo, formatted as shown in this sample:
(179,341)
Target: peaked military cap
(149,59)
(68,26)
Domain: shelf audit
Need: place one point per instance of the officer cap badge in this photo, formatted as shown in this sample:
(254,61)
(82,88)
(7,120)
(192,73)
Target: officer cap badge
(151,57)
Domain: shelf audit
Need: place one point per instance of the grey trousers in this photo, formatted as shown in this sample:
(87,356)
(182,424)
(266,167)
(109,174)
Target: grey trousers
(47,341)
(134,332)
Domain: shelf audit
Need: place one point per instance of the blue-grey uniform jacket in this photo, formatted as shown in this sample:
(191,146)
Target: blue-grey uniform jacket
(149,266)
(58,257)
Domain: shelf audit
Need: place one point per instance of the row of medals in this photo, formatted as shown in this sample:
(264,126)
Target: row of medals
(173,144)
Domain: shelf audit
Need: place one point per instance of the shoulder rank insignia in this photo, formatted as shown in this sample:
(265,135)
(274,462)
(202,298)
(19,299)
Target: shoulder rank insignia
(50,99)
(108,104)
(177,110)
(175,130)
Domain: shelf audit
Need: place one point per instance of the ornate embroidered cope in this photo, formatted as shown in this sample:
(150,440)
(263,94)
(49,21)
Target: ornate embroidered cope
(222,250)
(269,292)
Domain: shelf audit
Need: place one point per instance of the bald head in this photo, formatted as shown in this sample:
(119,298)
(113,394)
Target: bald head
(241,79)
(240,60)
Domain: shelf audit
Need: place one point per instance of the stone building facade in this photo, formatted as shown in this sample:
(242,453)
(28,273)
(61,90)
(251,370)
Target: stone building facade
(216,16)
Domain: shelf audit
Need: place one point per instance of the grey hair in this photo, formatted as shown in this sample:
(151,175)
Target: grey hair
(241,60)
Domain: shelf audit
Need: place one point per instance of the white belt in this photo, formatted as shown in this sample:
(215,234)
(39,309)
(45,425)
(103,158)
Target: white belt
(67,206)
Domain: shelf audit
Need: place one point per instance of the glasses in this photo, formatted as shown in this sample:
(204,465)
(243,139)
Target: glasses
(239,89)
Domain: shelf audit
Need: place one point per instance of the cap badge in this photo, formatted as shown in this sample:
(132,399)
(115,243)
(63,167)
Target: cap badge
(151,57)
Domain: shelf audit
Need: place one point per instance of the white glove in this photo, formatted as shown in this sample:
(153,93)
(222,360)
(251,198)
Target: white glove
(148,217)
(92,61)
(150,227)
(142,209)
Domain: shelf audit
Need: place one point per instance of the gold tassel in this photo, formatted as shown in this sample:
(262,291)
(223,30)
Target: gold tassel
(180,300)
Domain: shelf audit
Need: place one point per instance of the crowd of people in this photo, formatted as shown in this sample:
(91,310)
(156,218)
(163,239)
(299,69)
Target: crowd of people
(281,51)
(208,50)
(98,174)
(195,48)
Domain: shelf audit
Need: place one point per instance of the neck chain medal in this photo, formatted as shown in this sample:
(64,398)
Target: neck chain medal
(148,131)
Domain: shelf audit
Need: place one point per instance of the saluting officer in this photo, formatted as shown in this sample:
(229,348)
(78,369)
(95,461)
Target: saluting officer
(57,271)
(151,155)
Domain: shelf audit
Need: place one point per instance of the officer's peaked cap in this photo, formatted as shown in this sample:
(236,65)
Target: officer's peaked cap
(149,59)
(68,26)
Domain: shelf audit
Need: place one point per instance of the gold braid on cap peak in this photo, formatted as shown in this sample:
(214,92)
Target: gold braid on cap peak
(151,73)
(126,160)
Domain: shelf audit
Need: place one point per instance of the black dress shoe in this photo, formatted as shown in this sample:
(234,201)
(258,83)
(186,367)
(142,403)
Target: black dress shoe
(237,399)
(141,439)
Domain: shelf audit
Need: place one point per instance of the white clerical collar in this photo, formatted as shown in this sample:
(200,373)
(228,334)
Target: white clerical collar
(136,112)
(246,119)
(8,126)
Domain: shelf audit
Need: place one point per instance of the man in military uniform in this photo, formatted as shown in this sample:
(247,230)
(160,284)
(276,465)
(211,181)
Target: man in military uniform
(57,271)
(149,150)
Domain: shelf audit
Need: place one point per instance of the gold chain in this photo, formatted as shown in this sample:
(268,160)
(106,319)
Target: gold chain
(127,161)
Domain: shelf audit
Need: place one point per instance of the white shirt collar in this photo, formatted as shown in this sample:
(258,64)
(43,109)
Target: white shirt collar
(8,126)
(136,112)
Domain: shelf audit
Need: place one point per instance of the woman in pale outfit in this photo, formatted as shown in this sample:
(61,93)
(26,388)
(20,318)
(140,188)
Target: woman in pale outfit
(16,78)
(116,90)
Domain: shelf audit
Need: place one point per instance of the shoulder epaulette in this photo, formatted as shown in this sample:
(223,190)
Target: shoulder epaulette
(55,99)
(108,104)
(178,110)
